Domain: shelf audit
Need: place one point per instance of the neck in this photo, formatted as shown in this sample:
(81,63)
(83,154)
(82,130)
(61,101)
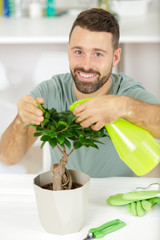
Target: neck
(102,91)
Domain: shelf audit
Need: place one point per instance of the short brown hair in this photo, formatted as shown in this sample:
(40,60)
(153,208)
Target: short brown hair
(98,20)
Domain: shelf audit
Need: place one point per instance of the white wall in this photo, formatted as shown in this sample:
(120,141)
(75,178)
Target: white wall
(26,66)
(142,62)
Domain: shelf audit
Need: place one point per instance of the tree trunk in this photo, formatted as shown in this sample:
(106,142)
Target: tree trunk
(62,179)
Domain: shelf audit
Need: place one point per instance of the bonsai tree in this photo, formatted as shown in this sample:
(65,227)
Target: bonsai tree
(61,131)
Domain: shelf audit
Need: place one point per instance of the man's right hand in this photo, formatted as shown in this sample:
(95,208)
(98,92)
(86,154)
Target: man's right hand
(28,112)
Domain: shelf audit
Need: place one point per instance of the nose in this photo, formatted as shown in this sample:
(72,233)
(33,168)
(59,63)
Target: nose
(87,62)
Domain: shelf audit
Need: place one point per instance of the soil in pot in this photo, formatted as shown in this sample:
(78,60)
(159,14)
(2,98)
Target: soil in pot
(49,186)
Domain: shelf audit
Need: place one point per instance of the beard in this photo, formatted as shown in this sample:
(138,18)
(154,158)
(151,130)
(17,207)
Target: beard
(90,87)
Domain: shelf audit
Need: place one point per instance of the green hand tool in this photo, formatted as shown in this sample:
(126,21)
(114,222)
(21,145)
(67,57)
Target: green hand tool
(105,229)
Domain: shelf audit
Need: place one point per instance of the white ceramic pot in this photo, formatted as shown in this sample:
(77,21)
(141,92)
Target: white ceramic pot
(62,212)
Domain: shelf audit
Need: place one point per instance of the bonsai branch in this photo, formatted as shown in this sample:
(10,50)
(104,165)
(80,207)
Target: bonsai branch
(65,155)
(61,176)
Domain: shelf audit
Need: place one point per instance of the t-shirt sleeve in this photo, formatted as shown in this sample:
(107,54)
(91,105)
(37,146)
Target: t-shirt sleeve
(47,90)
(36,92)
(57,92)
(141,94)
(135,89)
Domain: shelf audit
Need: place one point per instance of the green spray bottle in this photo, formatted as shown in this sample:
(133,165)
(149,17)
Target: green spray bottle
(136,147)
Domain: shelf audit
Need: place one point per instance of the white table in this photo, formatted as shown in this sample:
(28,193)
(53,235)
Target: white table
(19,217)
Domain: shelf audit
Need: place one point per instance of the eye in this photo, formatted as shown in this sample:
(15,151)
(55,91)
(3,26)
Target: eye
(98,54)
(79,52)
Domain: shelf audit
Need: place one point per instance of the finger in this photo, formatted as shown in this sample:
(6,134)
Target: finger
(87,122)
(128,207)
(79,108)
(28,99)
(31,114)
(146,205)
(28,111)
(140,209)
(79,119)
(82,117)
(38,121)
(156,200)
(40,100)
(97,126)
(31,108)
(32,118)
(26,102)
(134,208)
(151,202)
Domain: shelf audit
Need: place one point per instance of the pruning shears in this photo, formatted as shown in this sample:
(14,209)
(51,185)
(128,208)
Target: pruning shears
(105,229)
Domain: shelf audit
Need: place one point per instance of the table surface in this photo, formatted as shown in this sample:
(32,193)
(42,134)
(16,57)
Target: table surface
(19,216)
(134,29)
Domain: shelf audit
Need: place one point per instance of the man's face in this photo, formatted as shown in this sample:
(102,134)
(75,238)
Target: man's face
(91,59)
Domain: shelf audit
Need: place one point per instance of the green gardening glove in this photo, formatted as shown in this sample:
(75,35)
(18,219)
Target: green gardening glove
(144,201)
(139,208)
(137,202)
(125,198)
(141,195)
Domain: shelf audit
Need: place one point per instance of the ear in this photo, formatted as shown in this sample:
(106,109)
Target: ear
(68,47)
(116,57)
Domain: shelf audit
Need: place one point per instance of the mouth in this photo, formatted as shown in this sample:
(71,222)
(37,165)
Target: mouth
(88,77)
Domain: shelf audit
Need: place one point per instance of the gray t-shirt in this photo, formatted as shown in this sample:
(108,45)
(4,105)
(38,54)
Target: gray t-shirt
(58,92)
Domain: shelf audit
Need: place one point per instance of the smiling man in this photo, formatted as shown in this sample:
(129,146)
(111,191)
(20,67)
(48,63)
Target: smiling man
(93,51)
(91,62)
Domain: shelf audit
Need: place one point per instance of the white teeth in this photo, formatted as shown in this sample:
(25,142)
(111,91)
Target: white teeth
(86,75)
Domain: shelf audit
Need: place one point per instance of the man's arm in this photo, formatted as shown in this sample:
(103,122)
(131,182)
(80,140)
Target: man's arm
(16,140)
(144,115)
(106,109)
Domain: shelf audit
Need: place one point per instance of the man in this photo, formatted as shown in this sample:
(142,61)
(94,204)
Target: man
(93,51)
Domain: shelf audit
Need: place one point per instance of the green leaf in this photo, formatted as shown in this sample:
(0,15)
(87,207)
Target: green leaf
(37,134)
(53,111)
(71,118)
(54,124)
(67,143)
(52,134)
(53,142)
(39,128)
(53,128)
(60,139)
(44,122)
(40,107)
(98,141)
(71,134)
(61,123)
(42,144)
(45,138)
(93,145)
(83,141)
(81,135)
(47,115)
(76,126)
(100,133)
(77,144)
(29,125)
